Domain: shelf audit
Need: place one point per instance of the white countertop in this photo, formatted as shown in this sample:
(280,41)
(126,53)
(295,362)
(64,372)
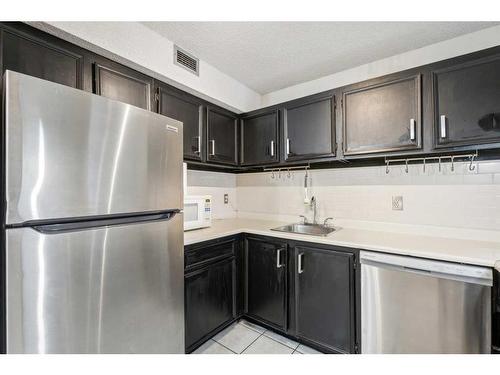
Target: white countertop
(483,253)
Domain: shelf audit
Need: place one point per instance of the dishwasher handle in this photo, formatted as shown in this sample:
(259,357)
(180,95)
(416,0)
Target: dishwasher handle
(426,267)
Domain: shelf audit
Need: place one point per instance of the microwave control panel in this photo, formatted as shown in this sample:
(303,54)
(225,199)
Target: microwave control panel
(208,210)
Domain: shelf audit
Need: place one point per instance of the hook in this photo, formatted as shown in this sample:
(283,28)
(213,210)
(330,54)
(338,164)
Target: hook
(439,163)
(279,174)
(387,167)
(471,166)
(272,175)
(288,174)
(406,165)
(424,163)
(452,164)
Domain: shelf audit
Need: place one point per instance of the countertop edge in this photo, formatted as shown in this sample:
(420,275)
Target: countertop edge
(352,244)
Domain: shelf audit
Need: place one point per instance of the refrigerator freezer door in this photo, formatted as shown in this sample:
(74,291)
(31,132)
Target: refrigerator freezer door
(70,153)
(117,289)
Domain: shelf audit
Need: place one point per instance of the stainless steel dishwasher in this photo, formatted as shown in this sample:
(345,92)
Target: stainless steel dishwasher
(414,305)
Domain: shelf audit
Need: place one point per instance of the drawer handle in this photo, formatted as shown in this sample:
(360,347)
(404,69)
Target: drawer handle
(288,146)
(300,266)
(212,142)
(197,152)
(442,126)
(413,129)
(278,258)
(272,148)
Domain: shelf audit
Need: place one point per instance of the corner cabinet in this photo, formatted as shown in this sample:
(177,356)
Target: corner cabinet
(187,109)
(309,129)
(266,281)
(259,139)
(114,81)
(325,297)
(467,103)
(383,117)
(222,137)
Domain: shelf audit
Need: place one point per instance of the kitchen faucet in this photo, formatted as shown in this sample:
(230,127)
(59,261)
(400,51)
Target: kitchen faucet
(314,208)
(312,204)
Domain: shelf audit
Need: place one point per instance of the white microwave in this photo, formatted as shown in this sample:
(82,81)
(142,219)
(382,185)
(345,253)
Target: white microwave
(197,211)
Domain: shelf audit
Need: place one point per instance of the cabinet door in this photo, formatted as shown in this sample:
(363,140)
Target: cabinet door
(266,281)
(309,130)
(259,139)
(221,137)
(467,103)
(324,297)
(188,110)
(383,117)
(209,300)
(120,83)
(26,54)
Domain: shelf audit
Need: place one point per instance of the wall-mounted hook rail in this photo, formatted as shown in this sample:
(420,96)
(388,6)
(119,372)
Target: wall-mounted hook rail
(440,159)
(278,171)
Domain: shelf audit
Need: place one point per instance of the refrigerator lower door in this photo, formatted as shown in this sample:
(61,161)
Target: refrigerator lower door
(116,289)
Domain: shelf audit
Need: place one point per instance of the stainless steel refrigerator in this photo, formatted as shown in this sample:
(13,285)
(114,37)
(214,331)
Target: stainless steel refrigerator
(93,239)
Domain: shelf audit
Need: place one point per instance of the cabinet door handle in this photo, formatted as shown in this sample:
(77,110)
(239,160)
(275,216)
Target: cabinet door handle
(272,148)
(300,267)
(199,145)
(212,142)
(442,126)
(413,129)
(278,258)
(288,146)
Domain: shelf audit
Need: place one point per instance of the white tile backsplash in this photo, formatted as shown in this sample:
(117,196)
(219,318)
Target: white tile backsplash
(458,199)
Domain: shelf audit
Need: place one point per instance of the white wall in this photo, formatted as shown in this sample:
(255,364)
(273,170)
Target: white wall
(134,44)
(468,201)
(137,46)
(215,184)
(461,45)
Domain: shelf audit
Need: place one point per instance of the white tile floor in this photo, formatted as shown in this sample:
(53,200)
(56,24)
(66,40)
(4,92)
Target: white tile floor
(244,337)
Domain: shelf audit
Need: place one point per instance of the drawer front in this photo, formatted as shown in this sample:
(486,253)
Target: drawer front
(199,256)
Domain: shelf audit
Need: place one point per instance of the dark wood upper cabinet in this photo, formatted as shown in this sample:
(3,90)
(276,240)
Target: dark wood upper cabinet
(325,298)
(259,139)
(384,117)
(187,109)
(222,137)
(27,54)
(266,281)
(467,103)
(309,129)
(123,84)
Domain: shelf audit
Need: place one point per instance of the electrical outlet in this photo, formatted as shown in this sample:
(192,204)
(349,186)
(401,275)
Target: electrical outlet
(397,203)
(226,198)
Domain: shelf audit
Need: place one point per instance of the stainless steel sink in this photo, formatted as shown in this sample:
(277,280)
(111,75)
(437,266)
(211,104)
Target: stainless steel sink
(310,229)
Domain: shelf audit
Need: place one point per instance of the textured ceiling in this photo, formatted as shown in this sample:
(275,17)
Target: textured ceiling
(267,56)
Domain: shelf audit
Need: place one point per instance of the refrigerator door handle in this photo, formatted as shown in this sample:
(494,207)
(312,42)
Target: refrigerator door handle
(106,221)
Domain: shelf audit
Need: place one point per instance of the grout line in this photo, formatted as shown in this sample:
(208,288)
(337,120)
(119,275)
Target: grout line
(262,334)
(232,351)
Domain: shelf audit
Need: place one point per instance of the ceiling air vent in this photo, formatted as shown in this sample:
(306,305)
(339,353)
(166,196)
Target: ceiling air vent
(186,60)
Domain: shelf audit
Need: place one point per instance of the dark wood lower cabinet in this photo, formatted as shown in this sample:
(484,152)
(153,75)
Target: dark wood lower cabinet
(209,300)
(305,291)
(209,290)
(266,281)
(325,297)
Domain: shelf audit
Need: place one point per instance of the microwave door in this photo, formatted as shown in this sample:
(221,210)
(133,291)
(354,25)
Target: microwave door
(192,218)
